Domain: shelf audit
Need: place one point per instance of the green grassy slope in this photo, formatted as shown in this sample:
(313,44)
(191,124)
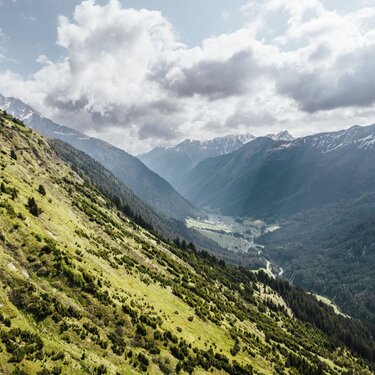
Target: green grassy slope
(84,290)
(126,200)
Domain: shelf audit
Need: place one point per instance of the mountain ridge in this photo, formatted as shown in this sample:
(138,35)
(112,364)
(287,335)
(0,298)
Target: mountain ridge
(260,170)
(356,136)
(145,183)
(174,162)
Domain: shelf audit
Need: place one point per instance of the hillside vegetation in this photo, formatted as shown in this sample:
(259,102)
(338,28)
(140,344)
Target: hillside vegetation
(331,252)
(85,290)
(126,201)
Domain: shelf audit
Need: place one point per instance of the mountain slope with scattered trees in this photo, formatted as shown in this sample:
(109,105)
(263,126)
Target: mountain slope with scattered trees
(331,252)
(126,201)
(85,289)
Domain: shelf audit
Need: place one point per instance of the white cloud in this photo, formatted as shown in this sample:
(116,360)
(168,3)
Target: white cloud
(127,76)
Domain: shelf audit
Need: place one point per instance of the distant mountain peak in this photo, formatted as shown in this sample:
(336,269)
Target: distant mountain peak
(174,161)
(14,105)
(357,137)
(229,140)
(284,135)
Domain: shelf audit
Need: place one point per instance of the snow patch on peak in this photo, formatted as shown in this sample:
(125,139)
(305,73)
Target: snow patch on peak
(356,137)
(281,136)
(17,108)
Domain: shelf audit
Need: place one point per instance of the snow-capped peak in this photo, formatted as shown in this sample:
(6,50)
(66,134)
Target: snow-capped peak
(213,147)
(281,136)
(17,108)
(359,137)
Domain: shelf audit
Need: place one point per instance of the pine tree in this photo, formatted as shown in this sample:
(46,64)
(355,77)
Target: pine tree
(41,190)
(13,155)
(33,207)
(177,242)
(14,193)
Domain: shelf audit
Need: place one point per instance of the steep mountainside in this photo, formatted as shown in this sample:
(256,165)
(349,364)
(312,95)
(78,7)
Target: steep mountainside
(127,201)
(151,188)
(85,290)
(174,162)
(331,251)
(277,178)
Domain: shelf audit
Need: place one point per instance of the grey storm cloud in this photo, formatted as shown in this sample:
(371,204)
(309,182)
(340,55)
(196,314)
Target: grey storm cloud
(151,119)
(251,119)
(157,130)
(350,82)
(131,114)
(120,115)
(54,100)
(213,79)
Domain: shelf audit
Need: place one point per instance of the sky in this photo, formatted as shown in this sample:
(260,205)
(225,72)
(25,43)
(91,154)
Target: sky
(147,73)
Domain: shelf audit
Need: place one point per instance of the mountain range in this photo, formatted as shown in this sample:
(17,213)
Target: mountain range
(320,189)
(267,177)
(151,188)
(172,163)
(85,290)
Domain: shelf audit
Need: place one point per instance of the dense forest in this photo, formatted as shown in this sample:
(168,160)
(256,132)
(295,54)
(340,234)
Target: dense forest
(331,252)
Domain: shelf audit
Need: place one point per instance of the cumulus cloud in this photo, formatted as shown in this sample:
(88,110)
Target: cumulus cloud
(213,79)
(111,51)
(333,68)
(127,75)
(349,82)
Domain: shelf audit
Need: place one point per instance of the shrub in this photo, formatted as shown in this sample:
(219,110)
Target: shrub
(236,348)
(41,190)
(143,359)
(101,370)
(18,371)
(141,330)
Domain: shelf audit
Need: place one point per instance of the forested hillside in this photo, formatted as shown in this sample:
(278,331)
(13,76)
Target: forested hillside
(331,252)
(320,189)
